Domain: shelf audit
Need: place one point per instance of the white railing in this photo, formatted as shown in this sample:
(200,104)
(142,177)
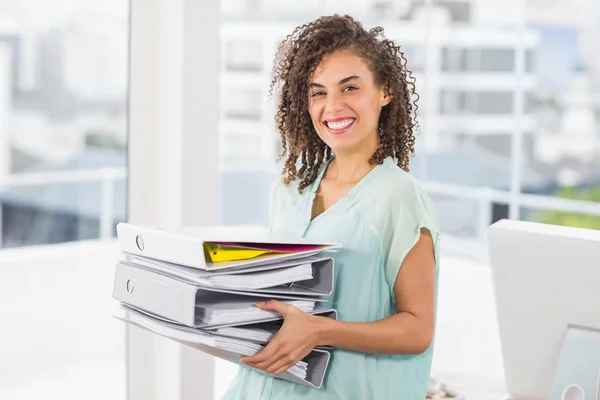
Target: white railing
(108,176)
(485,196)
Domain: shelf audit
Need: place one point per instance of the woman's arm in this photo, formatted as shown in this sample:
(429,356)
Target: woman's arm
(410,331)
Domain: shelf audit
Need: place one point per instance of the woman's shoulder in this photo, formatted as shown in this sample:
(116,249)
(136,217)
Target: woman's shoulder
(395,184)
(401,203)
(396,194)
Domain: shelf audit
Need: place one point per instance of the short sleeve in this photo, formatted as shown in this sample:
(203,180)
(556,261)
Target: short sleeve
(411,212)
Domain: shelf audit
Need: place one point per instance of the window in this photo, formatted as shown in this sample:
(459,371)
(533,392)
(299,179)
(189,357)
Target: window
(494,60)
(530,60)
(457,12)
(242,55)
(63,186)
(456,59)
(455,102)
(415,57)
(565,144)
(509,116)
(63,125)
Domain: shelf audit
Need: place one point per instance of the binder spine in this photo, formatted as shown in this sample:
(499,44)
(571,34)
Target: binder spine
(155,293)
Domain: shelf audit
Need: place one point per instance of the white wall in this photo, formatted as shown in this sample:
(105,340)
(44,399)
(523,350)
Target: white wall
(57,330)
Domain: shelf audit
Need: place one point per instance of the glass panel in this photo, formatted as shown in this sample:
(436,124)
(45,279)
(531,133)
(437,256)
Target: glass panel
(467,131)
(564,105)
(567,218)
(457,59)
(488,73)
(63,112)
(63,142)
(241,104)
(415,57)
(496,60)
(241,55)
(482,102)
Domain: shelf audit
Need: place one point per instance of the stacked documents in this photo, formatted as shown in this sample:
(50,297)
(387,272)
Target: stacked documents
(200,286)
(237,309)
(196,337)
(262,334)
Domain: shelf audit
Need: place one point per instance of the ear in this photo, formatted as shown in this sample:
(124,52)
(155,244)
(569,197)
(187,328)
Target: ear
(386,98)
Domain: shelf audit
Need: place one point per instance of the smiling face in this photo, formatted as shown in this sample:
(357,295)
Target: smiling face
(345,103)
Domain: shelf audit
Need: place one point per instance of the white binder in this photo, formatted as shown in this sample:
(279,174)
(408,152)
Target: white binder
(183,301)
(185,245)
(322,283)
(315,364)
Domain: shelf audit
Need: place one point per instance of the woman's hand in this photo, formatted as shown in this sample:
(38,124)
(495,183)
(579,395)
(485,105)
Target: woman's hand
(298,335)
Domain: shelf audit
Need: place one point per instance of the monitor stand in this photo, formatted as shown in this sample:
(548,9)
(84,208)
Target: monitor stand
(577,375)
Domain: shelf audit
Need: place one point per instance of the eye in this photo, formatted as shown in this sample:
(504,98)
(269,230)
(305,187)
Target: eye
(349,88)
(317,94)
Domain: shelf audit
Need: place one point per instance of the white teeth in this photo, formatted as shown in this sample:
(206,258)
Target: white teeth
(340,125)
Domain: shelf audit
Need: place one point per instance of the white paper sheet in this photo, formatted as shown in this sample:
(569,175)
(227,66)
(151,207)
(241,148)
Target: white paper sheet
(262,335)
(261,280)
(232,310)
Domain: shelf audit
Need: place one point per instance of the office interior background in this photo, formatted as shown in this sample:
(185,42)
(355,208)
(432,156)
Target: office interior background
(509,115)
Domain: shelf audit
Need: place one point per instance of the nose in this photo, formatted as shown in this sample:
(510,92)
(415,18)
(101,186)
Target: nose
(334,104)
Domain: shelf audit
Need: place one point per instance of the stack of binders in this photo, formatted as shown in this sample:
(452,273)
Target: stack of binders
(199,286)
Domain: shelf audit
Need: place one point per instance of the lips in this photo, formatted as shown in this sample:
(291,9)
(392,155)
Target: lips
(339,125)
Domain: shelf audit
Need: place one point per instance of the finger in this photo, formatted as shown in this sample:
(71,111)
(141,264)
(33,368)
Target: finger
(284,368)
(267,353)
(268,364)
(274,305)
(282,365)
(257,358)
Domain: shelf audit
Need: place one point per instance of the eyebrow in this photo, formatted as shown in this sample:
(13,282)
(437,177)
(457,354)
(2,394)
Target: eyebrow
(345,80)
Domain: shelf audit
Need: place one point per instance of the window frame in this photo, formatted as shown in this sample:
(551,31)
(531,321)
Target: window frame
(172,164)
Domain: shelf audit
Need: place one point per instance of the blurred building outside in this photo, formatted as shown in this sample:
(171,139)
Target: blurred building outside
(63,113)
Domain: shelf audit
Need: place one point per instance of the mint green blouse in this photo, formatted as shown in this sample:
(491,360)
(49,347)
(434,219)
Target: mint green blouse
(377,223)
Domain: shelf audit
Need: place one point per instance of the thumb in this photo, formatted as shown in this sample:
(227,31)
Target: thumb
(274,305)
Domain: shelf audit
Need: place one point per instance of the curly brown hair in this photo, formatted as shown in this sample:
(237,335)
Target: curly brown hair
(297,58)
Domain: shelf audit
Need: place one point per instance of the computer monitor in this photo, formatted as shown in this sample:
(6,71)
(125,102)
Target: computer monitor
(545,277)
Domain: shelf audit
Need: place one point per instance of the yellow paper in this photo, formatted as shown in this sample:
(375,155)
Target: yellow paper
(224,254)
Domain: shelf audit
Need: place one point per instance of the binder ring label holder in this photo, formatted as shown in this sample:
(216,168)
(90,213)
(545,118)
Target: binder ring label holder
(139,242)
(129,286)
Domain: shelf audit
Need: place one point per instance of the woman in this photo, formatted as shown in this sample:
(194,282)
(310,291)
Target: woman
(346,113)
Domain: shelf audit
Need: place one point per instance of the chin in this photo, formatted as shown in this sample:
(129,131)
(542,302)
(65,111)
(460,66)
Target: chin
(343,147)
(345,143)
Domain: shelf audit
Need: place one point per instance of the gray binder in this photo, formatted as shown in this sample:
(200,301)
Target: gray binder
(322,283)
(324,312)
(181,301)
(317,360)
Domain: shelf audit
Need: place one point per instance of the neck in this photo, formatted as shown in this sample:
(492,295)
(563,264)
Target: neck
(351,166)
